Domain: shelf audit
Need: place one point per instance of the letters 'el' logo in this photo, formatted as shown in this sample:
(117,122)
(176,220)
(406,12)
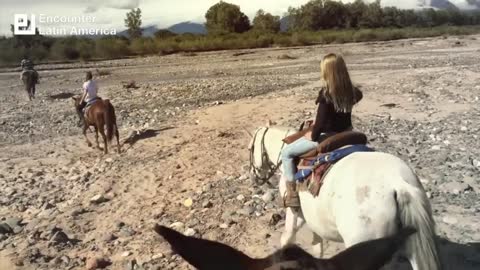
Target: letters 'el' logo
(23,26)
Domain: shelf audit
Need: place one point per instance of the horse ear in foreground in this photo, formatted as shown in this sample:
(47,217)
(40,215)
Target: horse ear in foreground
(209,255)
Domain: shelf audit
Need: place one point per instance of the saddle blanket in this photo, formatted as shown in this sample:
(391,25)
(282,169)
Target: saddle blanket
(330,158)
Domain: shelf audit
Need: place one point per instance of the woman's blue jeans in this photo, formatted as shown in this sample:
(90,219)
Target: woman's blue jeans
(293,150)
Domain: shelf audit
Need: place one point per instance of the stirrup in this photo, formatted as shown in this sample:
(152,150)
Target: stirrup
(284,202)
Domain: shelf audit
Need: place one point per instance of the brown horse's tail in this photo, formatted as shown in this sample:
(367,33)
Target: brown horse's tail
(110,119)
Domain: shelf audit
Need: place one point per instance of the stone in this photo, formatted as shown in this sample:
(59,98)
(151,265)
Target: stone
(474,184)
(13,222)
(247,211)
(127,232)
(227,216)
(188,202)
(274,219)
(241,198)
(449,220)
(47,206)
(120,224)
(59,237)
(86,176)
(109,237)
(158,256)
(4,228)
(77,212)
(17,229)
(98,199)
(436,147)
(455,187)
(126,254)
(190,232)
(476,163)
(268,196)
(177,226)
(75,178)
(223,226)
(207,204)
(97,263)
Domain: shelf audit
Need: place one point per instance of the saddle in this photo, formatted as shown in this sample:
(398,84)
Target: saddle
(89,105)
(314,165)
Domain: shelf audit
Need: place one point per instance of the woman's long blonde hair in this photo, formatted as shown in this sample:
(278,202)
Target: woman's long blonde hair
(339,88)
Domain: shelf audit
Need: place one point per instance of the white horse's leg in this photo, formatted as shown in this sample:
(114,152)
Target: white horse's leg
(300,220)
(283,188)
(317,247)
(289,235)
(292,219)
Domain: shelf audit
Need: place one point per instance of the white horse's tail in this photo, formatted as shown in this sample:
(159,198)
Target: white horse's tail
(415,211)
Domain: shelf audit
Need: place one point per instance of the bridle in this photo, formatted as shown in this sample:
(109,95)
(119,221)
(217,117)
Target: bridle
(260,175)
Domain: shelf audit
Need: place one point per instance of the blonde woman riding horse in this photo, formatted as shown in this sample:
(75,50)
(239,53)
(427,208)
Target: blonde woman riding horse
(364,196)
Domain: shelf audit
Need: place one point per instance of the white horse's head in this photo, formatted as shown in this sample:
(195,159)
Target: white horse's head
(265,149)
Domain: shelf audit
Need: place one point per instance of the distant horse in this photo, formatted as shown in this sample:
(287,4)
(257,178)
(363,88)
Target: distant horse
(364,196)
(209,255)
(100,114)
(30,78)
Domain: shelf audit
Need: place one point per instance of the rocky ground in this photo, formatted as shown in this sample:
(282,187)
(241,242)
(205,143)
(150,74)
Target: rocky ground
(185,164)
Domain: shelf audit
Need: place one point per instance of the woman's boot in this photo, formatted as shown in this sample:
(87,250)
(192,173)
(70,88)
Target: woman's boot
(291,198)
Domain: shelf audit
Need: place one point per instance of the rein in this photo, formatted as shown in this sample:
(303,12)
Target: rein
(272,168)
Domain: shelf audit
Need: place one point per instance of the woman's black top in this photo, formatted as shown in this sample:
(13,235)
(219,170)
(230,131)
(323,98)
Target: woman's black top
(328,119)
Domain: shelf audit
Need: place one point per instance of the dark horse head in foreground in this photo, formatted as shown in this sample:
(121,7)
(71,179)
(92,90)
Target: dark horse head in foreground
(100,114)
(210,255)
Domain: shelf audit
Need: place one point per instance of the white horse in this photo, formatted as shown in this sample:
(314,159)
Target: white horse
(365,196)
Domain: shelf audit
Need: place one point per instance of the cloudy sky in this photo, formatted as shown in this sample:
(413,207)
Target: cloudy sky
(163,13)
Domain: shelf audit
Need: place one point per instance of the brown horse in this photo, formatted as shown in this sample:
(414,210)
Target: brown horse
(100,114)
(208,255)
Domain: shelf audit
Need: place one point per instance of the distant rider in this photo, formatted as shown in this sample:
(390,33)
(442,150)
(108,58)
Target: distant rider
(27,65)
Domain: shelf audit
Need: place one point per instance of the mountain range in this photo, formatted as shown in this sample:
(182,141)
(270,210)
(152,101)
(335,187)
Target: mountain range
(445,4)
(179,28)
(439,4)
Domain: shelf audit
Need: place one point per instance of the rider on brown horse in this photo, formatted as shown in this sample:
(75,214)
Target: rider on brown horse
(100,114)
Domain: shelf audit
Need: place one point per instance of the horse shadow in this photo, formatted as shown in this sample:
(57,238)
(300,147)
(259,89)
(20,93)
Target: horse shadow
(136,136)
(61,96)
(459,256)
(454,256)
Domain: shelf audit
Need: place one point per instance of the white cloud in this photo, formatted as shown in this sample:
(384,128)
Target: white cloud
(123,4)
(94,6)
(91,9)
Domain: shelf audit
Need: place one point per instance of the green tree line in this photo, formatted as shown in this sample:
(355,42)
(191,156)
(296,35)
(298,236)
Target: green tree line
(318,21)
